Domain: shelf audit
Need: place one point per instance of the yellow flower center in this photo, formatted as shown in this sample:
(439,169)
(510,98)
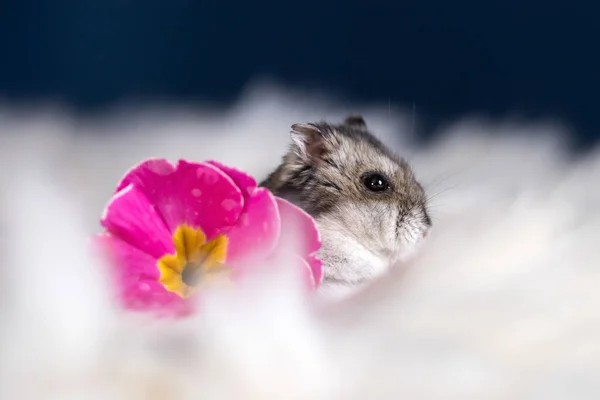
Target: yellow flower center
(195,263)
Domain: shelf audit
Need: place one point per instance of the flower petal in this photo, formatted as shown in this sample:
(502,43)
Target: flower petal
(245,182)
(146,172)
(300,266)
(299,228)
(136,276)
(299,237)
(316,267)
(256,232)
(131,217)
(150,295)
(306,273)
(198,194)
(127,261)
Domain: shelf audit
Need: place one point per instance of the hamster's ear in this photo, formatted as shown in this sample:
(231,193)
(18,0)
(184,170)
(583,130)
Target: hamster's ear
(355,121)
(308,141)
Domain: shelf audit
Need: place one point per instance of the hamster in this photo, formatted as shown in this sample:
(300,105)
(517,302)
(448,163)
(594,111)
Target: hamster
(370,209)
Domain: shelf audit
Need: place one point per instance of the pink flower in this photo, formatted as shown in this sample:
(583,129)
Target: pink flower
(171,230)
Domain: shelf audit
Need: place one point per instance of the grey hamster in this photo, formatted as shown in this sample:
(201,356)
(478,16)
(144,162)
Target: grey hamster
(369,207)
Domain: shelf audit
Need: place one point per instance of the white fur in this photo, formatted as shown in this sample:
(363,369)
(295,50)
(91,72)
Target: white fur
(502,304)
(355,252)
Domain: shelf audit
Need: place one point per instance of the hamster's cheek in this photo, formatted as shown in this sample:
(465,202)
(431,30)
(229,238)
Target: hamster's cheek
(348,260)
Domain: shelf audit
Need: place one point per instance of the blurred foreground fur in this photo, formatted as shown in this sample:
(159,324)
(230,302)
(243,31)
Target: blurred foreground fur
(502,303)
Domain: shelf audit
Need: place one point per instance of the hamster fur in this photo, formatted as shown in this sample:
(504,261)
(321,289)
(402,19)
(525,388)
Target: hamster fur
(370,209)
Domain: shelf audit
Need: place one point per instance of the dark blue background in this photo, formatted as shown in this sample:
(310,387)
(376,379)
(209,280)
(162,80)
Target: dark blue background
(539,58)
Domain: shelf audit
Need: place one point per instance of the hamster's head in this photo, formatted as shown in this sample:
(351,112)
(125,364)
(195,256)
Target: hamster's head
(370,209)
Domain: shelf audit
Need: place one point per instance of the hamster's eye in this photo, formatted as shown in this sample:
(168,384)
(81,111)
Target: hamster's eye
(375,182)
